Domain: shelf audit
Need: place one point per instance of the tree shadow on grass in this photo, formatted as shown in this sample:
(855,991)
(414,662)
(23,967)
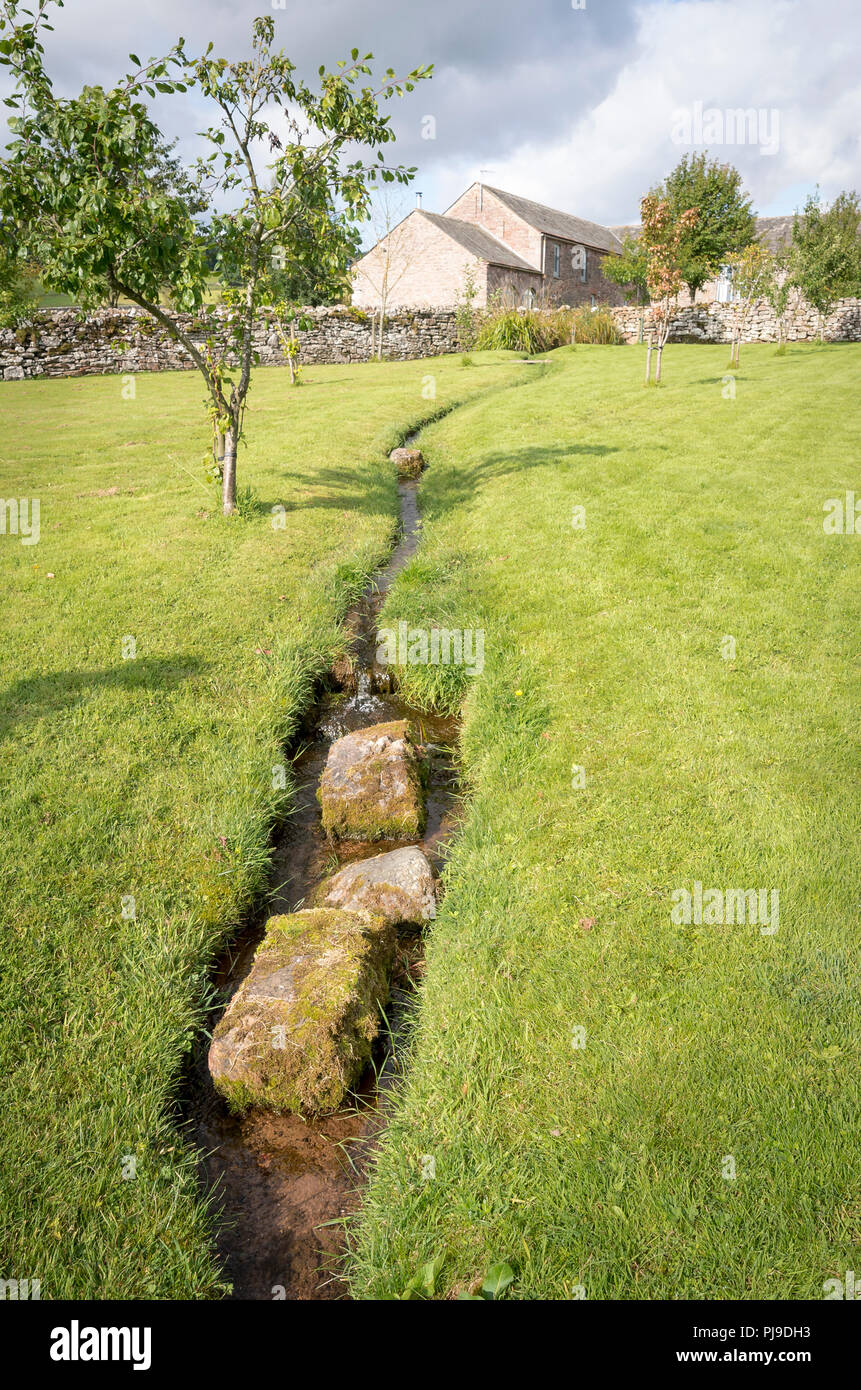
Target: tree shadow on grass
(457,487)
(720,380)
(37,697)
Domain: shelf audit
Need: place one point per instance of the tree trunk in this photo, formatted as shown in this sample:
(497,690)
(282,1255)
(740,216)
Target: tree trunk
(658,364)
(228,486)
(218,450)
(380,335)
(649,360)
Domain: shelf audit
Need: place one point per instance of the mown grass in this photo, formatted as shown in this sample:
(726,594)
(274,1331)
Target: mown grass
(605,1168)
(150,778)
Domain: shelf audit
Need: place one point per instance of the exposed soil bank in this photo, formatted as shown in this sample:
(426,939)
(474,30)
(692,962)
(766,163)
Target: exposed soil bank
(280,1178)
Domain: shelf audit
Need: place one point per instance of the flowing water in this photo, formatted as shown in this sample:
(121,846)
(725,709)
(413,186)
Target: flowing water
(280,1178)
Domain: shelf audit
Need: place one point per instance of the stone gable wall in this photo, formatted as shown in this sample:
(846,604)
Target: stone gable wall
(426,268)
(500,221)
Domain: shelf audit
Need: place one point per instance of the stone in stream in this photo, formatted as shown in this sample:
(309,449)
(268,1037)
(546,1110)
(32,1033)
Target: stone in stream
(372,786)
(398,887)
(409,462)
(297,1034)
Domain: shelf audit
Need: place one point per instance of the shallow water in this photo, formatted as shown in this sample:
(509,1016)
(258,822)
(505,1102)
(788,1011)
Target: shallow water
(279,1178)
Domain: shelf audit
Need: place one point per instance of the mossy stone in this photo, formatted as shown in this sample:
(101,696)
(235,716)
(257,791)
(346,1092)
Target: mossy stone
(298,1032)
(373,785)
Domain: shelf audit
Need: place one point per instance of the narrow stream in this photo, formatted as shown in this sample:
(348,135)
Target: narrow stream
(280,1178)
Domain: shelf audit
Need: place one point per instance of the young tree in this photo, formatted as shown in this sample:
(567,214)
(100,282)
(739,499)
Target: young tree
(826,252)
(663,234)
(781,291)
(752,273)
(388,262)
(725,223)
(298,278)
(79,187)
(466,314)
(630,271)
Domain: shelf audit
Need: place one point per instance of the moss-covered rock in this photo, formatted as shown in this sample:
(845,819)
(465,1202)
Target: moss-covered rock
(399,887)
(409,462)
(298,1032)
(372,786)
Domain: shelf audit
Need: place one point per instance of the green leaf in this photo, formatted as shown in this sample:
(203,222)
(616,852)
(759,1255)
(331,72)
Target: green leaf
(497,1279)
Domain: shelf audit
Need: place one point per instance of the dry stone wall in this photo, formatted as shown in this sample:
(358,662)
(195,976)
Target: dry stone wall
(64,342)
(713,323)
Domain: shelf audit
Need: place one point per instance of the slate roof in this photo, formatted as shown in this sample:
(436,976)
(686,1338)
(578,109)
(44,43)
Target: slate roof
(773,231)
(552,222)
(478,242)
(630,229)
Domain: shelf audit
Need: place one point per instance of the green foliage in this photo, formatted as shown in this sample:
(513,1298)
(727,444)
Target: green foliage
(466,315)
(19,290)
(523,330)
(497,1280)
(424,1284)
(725,223)
(629,270)
(596,326)
(825,256)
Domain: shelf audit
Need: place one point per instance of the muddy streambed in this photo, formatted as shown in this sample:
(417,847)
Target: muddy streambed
(280,1178)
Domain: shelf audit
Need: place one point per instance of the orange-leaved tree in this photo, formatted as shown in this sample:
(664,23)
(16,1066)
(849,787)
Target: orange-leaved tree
(663,231)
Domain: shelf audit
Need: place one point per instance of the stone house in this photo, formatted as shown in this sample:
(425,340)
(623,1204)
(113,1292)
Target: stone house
(528,252)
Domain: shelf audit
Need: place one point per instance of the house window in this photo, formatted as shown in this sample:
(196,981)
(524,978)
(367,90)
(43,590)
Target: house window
(724,292)
(529,299)
(578,262)
(557,261)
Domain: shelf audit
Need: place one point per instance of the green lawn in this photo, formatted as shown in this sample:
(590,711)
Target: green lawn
(150,778)
(608,1168)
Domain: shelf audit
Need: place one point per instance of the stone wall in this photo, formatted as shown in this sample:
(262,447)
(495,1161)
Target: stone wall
(64,342)
(713,323)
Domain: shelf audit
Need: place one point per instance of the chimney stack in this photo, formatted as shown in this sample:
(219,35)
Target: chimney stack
(418,200)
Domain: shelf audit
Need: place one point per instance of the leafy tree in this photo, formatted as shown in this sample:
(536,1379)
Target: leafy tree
(630,270)
(300,275)
(752,274)
(84,193)
(664,232)
(297,278)
(19,288)
(825,257)
(725,223)
(781,291)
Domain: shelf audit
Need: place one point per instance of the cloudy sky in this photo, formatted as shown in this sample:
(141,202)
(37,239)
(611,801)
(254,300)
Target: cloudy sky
(579,107)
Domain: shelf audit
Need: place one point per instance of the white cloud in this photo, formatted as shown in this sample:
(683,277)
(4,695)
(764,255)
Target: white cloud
(783,55)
